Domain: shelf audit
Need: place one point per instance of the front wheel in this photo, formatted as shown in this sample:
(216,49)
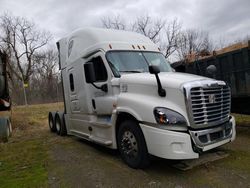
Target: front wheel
(132,145)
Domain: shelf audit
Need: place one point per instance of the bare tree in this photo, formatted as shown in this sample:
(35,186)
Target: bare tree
(149,27)
(144,25)
(165,34)
(44,82)
(194,42)
(113,23)
(46,64)
(171,37)
(168,35)
(21,39)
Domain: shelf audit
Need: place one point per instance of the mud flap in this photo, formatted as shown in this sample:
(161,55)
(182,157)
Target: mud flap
(203,159)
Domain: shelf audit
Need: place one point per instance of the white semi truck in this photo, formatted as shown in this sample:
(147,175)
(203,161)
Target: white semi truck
(120,92)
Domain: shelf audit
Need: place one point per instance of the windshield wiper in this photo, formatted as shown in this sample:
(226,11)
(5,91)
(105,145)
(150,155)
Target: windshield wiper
(133,71)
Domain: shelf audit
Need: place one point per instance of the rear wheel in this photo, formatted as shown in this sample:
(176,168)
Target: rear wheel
(51,119)
(60,124)
(132,145)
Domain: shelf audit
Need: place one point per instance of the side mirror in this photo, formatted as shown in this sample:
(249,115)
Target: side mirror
(211,70)
(89,72)
(91,78)
(154,69)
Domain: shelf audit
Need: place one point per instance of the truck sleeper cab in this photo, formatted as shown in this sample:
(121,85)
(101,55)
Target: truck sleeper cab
(120,92)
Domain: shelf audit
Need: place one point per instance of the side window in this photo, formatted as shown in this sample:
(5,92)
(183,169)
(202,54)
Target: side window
(100,69)
(71,82)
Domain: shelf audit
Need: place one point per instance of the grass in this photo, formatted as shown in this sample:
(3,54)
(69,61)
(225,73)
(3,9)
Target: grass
(23,161)
(23,164)
(241,119)
(238,160)
(33,115)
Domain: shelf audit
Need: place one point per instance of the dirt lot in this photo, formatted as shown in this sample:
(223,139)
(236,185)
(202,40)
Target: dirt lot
(34,157)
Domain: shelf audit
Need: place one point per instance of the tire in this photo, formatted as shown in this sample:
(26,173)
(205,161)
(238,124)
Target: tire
(60,124)
(132,145)
(51,121)
(5,129)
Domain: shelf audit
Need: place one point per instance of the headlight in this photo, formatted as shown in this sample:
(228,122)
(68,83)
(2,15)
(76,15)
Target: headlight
(168,117)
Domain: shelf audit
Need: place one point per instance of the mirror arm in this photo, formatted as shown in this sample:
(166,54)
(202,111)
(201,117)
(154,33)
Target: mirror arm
(103,87)
(161,91)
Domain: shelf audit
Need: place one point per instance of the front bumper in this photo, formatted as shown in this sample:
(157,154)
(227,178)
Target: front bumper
(178,145)
(210,138)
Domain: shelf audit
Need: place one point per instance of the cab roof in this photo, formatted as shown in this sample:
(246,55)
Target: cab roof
(83,42)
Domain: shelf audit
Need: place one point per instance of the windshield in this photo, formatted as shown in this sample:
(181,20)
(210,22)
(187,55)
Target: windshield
(136,62)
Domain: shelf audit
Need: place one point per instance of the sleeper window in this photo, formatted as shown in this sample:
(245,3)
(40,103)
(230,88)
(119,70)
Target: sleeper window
(71,82)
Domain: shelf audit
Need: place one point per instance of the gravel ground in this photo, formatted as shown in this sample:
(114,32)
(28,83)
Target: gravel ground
(78,163)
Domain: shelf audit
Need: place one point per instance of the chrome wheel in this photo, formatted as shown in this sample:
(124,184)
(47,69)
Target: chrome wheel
(129,145)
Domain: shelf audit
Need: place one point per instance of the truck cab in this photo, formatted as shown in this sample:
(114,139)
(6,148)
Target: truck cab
(120,92)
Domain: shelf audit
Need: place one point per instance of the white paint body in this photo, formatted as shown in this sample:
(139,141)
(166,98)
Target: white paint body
(139,98)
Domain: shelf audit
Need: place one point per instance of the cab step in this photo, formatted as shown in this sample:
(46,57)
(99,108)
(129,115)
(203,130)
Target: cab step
(100,141)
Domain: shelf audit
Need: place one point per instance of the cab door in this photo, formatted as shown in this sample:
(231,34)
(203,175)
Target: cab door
(77,103)
(102,101)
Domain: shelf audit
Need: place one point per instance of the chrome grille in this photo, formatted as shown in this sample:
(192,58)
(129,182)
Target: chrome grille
(210,104)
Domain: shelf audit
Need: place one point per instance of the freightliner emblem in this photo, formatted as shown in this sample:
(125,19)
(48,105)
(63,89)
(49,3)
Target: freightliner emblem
(211,98)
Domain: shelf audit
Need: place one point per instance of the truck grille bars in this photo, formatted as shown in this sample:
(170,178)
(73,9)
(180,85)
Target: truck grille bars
(208,104)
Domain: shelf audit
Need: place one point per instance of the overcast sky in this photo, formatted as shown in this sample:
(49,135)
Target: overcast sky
(223,19)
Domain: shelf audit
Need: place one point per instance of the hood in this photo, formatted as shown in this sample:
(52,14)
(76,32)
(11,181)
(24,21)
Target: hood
(168,79)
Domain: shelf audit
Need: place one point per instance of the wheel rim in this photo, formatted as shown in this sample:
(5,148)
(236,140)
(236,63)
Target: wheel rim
(57,126)
(129,145)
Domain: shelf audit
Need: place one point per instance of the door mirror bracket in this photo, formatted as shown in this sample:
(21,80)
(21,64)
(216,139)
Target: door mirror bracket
(155,70)
(103,87)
